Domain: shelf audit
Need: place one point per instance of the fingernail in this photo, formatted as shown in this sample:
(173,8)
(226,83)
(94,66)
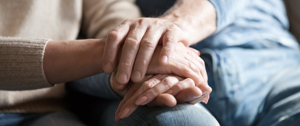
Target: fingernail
(124,113)
(206,99)
(107,67)
(141,100)
(199,53)
(122,78)
(170,91)
(165,59)
(137,75)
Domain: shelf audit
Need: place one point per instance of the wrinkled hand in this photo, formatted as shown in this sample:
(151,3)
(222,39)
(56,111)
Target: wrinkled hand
(138,39)
(152,93)
(184,62)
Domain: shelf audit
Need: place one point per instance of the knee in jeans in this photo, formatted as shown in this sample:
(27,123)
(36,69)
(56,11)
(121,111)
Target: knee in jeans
(180,115)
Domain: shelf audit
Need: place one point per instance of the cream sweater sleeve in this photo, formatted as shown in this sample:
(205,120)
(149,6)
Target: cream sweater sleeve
(101,16)
(21,63)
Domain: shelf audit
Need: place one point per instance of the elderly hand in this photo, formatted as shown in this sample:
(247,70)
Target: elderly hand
(138,39)
(184,62)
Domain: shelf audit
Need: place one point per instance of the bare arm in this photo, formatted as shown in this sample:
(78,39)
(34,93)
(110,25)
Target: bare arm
(199,19)
(70,60)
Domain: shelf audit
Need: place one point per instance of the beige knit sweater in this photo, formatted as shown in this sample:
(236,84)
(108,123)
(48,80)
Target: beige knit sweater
(25,28)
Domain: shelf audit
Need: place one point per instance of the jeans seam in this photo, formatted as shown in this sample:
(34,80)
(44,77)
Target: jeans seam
(138,119)
(289,115)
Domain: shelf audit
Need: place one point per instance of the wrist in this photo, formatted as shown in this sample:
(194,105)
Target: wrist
(199,20)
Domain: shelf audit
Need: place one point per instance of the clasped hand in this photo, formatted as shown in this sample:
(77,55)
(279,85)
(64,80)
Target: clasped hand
(161,86)
(174,72)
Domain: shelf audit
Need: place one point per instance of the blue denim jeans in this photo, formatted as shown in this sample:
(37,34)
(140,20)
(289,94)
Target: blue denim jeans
(259,87)
(181,115)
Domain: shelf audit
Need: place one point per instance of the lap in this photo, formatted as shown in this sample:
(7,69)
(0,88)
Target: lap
(281,106)
(242,80)
(180,115)
(103,112)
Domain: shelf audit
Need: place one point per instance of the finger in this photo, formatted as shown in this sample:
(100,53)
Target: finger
(201,99)
(195,51)
(163,100)
(200,63)
(112,46)
(203,84)
(129,52)
(205,92)
(170,38)
(115,84)
(160,88)
(145,53)
(197,65)
(188,94)
(122,103)
(127,105)
(181,85)
(185,70)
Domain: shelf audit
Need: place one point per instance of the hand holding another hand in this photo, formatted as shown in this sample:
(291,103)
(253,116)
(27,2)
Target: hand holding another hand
(138,39)
(184,62)
(159,90)
(165,89)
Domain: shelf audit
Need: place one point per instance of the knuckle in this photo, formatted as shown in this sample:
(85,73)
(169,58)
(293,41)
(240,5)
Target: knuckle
(151,93)
(172,26)
(190,82)
(126,63)
(169,38)
(148,44)
(109,54)
(132,41)
(178,87)
(148,85)
(157,22)
(113,35)
(142,20)
(127,21)
(169,82)
(167,49)
(142,63)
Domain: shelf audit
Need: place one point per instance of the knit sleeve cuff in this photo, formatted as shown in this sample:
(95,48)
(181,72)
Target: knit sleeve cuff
(21,63)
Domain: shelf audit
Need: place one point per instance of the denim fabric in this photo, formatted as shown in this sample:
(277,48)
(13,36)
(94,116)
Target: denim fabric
(97,85)
(243,79)
(254,23)
(180,115)
(18,119)
(60,118)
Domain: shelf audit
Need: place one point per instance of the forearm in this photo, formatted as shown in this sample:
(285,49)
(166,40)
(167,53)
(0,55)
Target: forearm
(198,17)
(70,60)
